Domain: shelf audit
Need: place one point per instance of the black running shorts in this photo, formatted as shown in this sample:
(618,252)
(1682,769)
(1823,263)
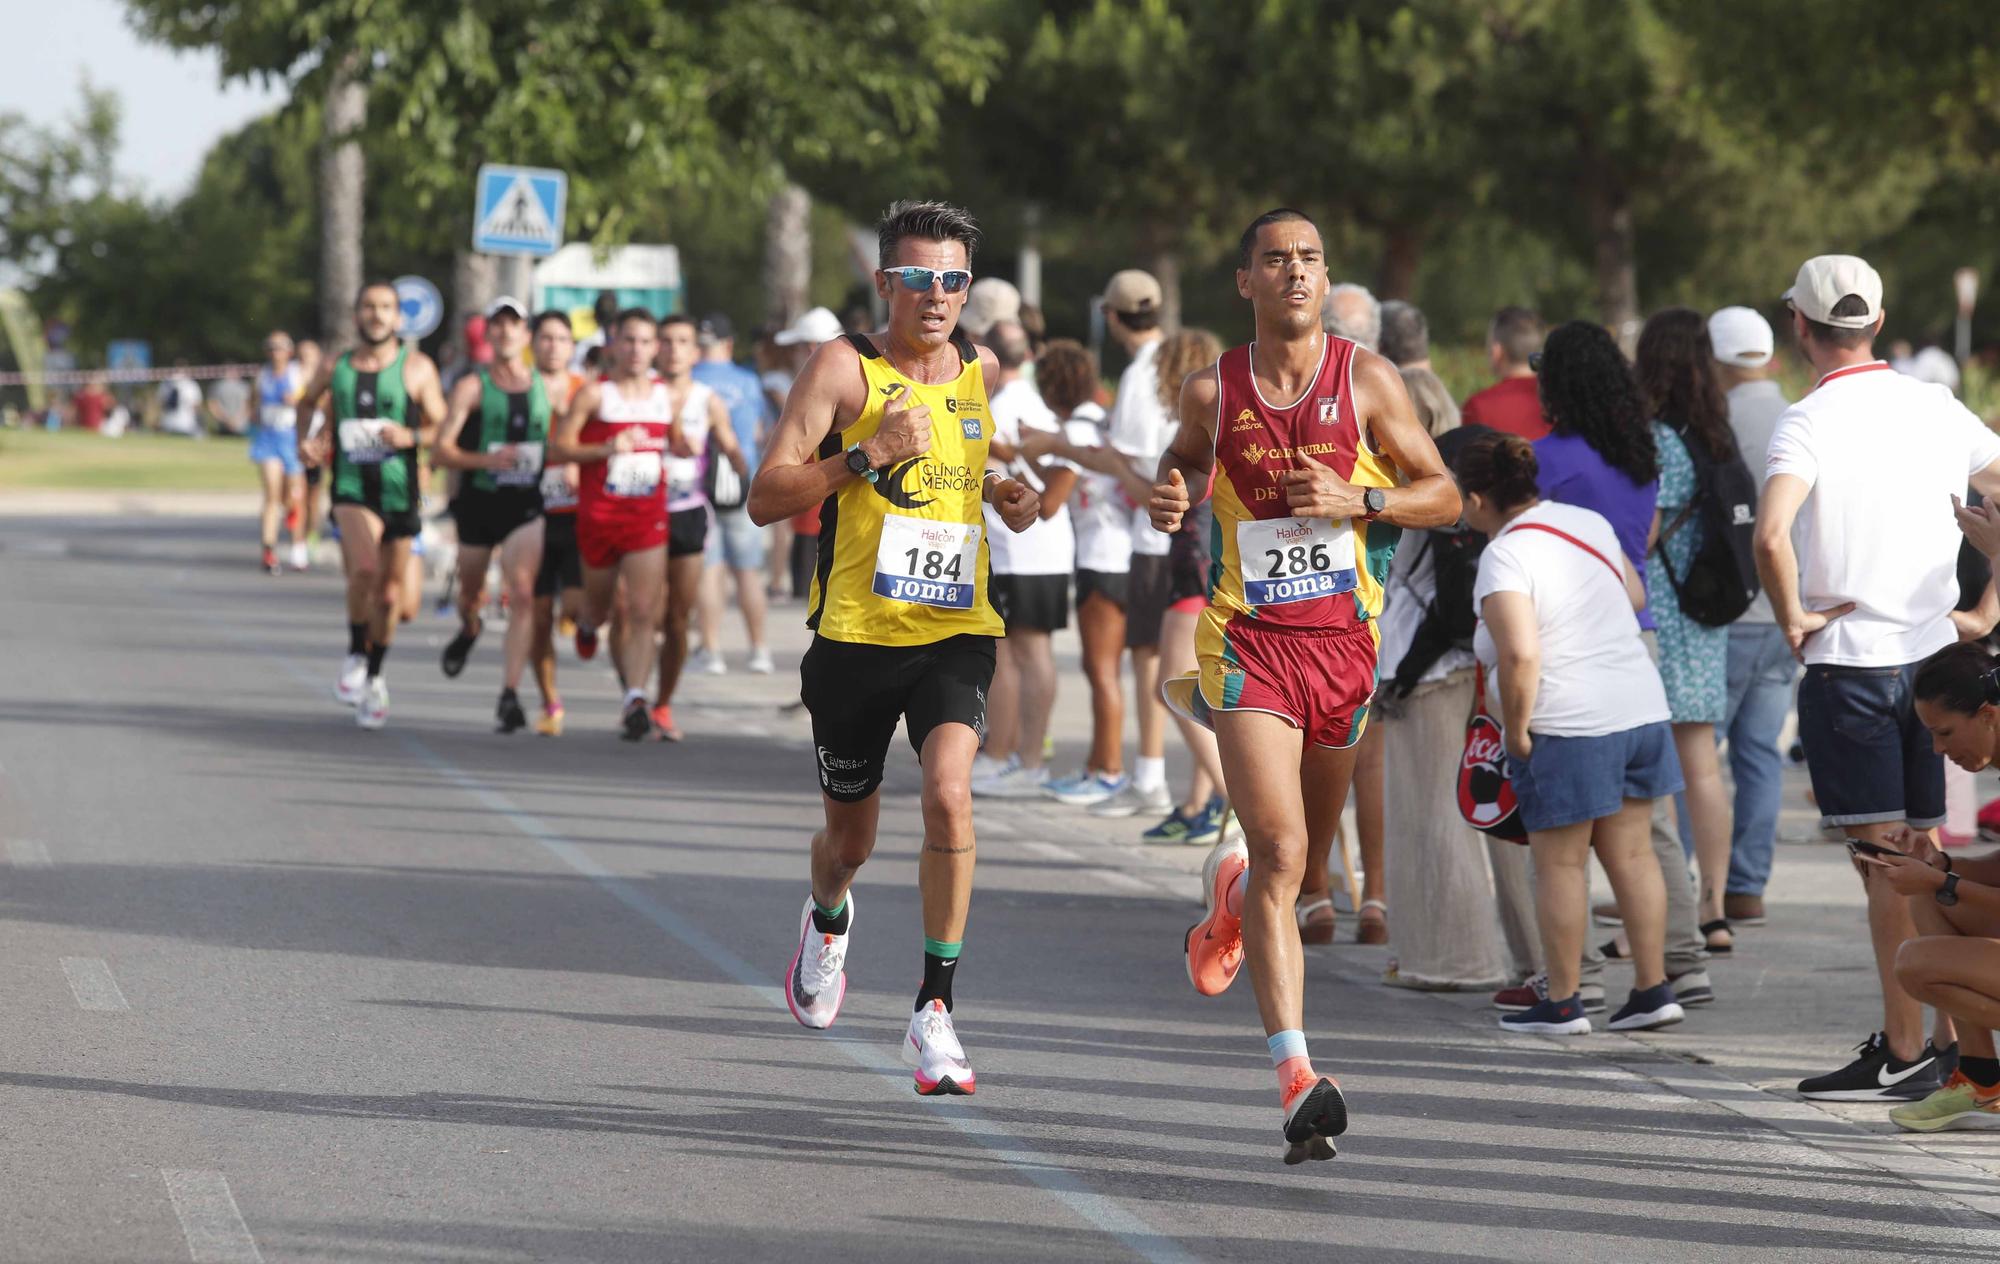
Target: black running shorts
(856,694)
(1030,603)
(687,531)
(562,565)
(486,519)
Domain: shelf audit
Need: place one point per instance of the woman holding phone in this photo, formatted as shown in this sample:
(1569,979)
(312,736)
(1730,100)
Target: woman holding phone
(1953,963)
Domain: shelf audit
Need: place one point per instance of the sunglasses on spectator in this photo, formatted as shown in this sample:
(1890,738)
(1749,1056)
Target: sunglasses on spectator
(918,280)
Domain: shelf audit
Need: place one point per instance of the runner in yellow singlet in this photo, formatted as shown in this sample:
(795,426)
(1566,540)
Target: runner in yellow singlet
(888,433)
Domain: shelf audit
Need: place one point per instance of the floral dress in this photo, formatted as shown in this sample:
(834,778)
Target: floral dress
(1694,658)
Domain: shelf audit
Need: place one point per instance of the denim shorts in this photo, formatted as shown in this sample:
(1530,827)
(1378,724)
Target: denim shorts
(736,541)
(1870,758)
(1570,779)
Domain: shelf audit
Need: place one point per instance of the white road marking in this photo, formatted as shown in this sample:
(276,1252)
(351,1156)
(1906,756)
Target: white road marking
(26,853)
(1119,878)
(209,1219)
(90,979)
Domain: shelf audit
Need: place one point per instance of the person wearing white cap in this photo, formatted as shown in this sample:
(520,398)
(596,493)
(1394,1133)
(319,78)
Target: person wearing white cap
(809,330)
(1760,666)
(1861,473)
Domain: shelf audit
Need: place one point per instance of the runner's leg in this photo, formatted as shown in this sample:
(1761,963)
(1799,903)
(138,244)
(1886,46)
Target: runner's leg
(1100,625)
(645,576)
(1261,761)
(683,585)
(271,478)
(542,649)
(520,560)
(944,868)
(390,596)
(361,555)
(473,563)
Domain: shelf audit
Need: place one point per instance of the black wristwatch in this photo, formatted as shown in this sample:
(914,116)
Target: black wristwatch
(1373,502)
(857,464)
(1947,894)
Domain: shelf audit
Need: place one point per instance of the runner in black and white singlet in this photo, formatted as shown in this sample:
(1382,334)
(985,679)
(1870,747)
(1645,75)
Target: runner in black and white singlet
(559,581)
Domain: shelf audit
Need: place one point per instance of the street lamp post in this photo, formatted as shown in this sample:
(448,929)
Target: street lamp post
(1965,283)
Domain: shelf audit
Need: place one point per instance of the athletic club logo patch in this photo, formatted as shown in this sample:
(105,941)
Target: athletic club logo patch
(1329,409)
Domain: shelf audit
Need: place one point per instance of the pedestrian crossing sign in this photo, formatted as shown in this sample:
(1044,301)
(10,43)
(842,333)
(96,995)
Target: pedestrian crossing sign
(519,210)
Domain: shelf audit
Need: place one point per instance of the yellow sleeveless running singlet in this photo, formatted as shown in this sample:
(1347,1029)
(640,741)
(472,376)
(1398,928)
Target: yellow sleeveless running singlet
(902,560)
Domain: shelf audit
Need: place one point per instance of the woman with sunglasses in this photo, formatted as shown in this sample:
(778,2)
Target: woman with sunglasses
(1953,963)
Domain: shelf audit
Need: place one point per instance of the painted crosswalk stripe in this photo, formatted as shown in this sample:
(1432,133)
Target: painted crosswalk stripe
(90,979)
(209,1219)
(26,853)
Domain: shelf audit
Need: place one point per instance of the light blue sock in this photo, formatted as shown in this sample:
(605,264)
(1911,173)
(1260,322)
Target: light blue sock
(1290,1043)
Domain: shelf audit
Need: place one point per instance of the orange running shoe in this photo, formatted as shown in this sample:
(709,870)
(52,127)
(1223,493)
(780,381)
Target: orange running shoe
(663,724)
(1315,1113)
(1215,943)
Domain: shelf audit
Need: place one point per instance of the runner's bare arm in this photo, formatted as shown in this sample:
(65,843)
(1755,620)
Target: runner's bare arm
(1190,458)
(1427,496)
(723,435)
(446,452)
(313,448)
(1517,646)
(565,447)
(829,394)
(426,392)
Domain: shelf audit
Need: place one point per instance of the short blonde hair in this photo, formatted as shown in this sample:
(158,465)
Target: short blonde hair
(1435,408)
(1181,354)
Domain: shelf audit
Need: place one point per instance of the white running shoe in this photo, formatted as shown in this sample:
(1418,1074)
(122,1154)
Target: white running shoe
(714,663)
(760,661)
(352,681)
(1015,783)
(301,559)
(932,1049)
(373,711)
(1134,799)
(816,982)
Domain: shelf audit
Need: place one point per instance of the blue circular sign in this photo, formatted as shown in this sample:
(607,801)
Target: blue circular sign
(423,306)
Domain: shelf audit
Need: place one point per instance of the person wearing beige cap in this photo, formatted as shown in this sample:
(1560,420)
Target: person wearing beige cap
(989,301)
(1760,666)
(1859,556)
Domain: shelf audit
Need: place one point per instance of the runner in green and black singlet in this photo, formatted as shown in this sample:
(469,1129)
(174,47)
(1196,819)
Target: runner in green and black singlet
(385,403)
(494,434)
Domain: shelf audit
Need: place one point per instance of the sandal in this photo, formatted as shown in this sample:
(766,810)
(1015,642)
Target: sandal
(1373,929)
(1720,926)
(1314,928)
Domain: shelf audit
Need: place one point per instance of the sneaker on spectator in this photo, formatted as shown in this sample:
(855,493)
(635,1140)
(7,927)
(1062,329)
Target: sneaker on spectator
(760,662)
(1549,1018)
(1206,827)
(1879,1076)
(1691,987)
(711,662)
(1015,783)
(1133,800)
(1172,830)
(1085,788)
(1525,996)
(1644,1011)
(985,767)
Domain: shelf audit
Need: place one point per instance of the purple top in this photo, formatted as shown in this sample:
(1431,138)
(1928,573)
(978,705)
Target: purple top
(1573,474)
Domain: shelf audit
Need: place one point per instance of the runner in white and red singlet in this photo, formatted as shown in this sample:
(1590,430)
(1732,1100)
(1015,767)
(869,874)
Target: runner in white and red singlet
(619,431)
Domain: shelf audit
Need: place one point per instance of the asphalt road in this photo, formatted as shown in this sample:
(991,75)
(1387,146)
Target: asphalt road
(281,989)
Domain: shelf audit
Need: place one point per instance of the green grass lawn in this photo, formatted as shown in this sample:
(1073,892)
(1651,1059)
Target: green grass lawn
(75,460)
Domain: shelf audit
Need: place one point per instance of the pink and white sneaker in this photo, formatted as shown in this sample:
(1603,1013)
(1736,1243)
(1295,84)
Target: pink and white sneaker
(816,981)
(932,1049)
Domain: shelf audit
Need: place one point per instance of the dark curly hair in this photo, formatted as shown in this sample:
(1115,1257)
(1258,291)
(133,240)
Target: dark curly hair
(1588,390)
(1066,375)
(1677,377)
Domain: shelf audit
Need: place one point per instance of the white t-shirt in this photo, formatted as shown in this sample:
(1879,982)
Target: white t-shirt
(1596,675)
(1882,453)
(180,404)
(1047,547)
(1141,428)
(1101,511)
(684,488)
(1754,409)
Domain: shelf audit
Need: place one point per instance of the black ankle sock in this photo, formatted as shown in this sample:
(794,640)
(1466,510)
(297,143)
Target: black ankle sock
(357,638)
(832,925)
(375,656)
(937,980)
(1985,1072)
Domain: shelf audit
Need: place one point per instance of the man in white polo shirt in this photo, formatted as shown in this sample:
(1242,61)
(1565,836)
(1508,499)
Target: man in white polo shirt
(1861,474)
(1761,667)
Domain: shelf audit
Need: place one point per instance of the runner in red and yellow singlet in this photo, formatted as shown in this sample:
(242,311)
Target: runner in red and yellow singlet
(1319,462)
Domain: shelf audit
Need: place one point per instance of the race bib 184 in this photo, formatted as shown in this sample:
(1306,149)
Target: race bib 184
(1294,559)
(927,563)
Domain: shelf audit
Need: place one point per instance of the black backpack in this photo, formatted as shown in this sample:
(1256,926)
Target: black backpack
(1721,580)
(1450,619)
